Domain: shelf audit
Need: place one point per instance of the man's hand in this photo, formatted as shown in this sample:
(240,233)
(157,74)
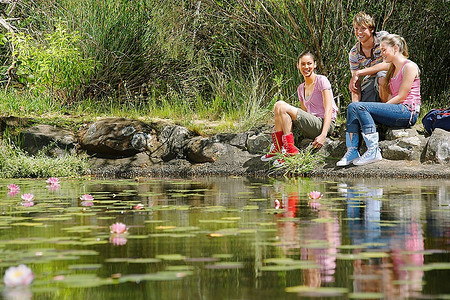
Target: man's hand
(353,84)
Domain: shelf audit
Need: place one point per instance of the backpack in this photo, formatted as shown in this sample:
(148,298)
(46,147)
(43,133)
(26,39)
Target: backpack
(437,118)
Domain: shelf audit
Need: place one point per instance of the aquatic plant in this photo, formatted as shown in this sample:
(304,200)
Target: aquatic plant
(18,276)
(86,197)
(13,187)
(53,181)
(139,206)
(118,228)
(27,197)
(315,195)
(117,239)
(87,203)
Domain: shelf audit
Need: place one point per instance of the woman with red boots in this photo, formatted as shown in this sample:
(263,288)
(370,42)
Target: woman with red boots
(314,120)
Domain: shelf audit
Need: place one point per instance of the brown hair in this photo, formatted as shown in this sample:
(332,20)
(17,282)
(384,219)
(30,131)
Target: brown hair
(306,52)
(394,40)
(362,18)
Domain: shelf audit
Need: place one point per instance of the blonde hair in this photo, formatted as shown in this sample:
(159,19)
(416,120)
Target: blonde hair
(394,40)
(362,18)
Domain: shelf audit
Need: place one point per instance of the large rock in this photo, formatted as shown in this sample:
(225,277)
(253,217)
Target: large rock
(438,147)
(173,140)
(235,139)
(403,148)
(258,144)
(54,140)
(117,137)
(201,150)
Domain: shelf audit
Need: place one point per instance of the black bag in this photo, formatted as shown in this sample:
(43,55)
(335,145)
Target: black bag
(437,118)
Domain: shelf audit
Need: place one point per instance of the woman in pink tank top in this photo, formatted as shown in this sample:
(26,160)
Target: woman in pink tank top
(402,83)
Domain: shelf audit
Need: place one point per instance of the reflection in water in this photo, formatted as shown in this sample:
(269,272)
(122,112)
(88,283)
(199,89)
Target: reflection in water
(241,238)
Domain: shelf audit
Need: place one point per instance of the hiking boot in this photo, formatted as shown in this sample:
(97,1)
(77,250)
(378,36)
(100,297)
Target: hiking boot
(275,148)
(373,153)
(352,154)
(288,144)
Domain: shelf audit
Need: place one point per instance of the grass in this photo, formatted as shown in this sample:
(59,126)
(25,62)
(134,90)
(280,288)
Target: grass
(15,163)
(307,160)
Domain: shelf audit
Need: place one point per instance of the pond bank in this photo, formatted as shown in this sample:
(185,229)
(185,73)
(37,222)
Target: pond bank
(119,147)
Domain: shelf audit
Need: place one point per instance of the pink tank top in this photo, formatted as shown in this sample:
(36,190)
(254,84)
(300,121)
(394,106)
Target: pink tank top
(413,97)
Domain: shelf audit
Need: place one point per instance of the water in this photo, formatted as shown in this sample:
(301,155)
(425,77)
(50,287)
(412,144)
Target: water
(229,238)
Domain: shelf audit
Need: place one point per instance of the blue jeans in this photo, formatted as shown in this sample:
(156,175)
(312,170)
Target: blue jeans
(363,115)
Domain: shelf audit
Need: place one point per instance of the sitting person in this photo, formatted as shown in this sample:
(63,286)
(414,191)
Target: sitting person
(314,120)
(366,64)
(401,109)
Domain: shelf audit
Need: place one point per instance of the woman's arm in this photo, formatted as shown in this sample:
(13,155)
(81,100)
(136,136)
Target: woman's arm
(327,104)
(410,72)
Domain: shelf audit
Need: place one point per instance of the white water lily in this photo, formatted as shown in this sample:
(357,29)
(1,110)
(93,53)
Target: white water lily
(18,276)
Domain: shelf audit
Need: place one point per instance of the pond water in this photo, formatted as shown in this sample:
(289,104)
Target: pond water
(228,238)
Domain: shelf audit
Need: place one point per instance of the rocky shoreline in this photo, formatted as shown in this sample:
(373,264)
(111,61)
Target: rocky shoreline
(119,147)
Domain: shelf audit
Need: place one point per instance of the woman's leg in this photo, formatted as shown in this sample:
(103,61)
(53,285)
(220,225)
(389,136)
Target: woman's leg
(351,136)
(394,115)
(283,113)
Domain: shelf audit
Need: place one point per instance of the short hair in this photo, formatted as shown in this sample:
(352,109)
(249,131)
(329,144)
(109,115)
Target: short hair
(362,18)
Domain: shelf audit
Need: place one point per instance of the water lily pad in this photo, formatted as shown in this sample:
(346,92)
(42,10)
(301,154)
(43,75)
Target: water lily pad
(170,256)
(317,292)
(160,276)
(225,265)
(85,267)
(366,296)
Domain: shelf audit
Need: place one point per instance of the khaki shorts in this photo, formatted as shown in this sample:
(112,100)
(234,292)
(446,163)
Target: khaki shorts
(370,90)
(309,125)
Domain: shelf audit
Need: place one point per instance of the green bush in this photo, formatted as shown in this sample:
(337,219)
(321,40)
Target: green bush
(55,64)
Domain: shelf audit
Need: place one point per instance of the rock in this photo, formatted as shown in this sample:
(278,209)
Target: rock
(404,147)
(333,148)
(258,144)
(173,140)
(58,141)
(201,150)
(11,121)
(235,139)
(393,134)
(117,137)
(438,147)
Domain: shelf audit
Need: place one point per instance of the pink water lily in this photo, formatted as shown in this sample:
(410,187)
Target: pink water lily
(53,187)
(53,180)
(28,203)
(117,240)
(86,197)
(13,187)
(139,206)
(315,195)
(18,276)
(118,228)
(314,204)
(87,203)
(27,197)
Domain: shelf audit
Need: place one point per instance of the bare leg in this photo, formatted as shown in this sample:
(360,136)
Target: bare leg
(381,90)
(284,114)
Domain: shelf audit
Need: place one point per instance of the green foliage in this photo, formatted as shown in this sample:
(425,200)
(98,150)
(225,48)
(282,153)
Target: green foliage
(54,64)
(219,58)
(14,163)
(307,160)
